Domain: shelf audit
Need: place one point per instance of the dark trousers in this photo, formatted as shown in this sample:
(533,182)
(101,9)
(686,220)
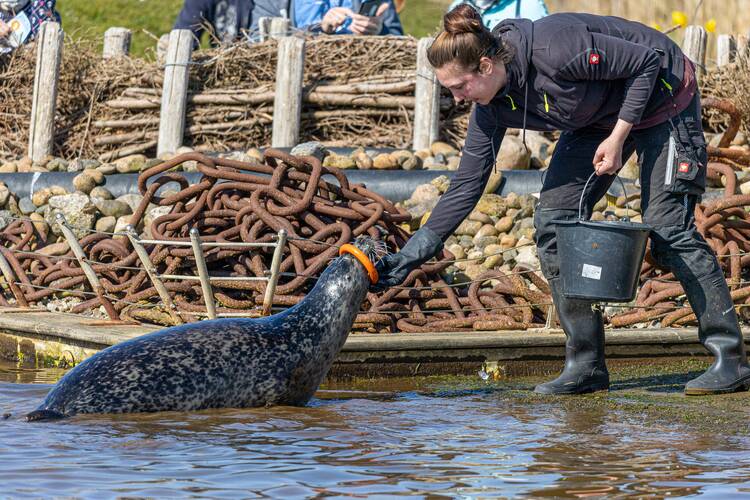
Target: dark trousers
(675,241)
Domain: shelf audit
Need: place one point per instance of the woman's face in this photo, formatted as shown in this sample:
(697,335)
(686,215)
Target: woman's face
(478,86)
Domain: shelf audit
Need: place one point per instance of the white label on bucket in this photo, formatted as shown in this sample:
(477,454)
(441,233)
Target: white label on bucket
(593,272)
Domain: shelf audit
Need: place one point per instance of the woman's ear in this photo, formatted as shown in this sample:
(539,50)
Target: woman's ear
(485,66)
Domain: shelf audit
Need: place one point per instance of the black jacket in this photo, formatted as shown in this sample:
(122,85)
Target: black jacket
(227,18)
(582,70)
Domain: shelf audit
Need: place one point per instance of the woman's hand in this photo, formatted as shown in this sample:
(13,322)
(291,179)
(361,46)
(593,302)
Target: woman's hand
(608,156)
(364,25)
(4,30)
(335,18)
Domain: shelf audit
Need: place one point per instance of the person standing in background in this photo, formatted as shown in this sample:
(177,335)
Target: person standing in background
(224,20)
(21,20)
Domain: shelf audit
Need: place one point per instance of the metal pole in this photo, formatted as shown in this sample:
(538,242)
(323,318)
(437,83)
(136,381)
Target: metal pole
(87,269)
(200,263)
(274,278)
(153,275)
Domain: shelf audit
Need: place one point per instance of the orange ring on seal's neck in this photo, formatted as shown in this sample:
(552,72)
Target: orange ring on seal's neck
(362,258)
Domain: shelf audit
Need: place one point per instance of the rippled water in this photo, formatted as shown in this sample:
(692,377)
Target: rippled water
(423,437)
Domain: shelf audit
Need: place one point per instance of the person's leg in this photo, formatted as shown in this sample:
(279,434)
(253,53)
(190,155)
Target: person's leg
(668,203)
(585,369)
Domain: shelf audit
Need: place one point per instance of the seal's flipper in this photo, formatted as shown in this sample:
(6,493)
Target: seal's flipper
(38,415)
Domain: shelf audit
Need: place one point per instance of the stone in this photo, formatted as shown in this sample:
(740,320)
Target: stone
(107,168)
(26,206)
(55,249)
(91,164)
(443,148)
(493,184)
(486,230)
(739,140)
(152,162)
(441,182)
(132,199)
(465,241)
(430,163)
(492,204)
(4,194)
(339,161)
(122,224)
(480,217)
(40,224)
(154,213)
(457,251)
(130,163)
(101,192)
(423,200)
(539,145)
(512,155)
(493,256)
(527,257)
(601,205)
(24,164)
(504,224)
(42,196)
(468,227)
(474,270)
(57,165)
(630,170)
(508,241)
(361,159)
(745,188)
(106,224)
(480,242)
(255,155)
(75,165)
(406,160)
(10,167)
(184,150)
(112,208)
(78,210)
(452,163)
(513,200)
(84,183)
(310,148)
(6,218)
(423,154)
(384,161)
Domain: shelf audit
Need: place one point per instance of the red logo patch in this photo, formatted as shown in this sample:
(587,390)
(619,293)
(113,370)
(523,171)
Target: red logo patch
(684,167)
(594,58)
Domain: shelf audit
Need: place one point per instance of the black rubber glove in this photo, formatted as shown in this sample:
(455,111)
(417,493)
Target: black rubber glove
(394,268)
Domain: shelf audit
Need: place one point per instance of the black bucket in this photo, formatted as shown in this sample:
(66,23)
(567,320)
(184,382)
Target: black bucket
(600,260)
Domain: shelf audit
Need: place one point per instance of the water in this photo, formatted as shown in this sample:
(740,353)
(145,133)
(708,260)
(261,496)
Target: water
(434,437)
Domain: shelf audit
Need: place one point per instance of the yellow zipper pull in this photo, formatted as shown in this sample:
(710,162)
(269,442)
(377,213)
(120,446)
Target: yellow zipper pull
(546,103)
(512,104)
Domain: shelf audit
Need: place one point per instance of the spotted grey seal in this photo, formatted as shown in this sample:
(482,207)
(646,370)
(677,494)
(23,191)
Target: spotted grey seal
(224,363)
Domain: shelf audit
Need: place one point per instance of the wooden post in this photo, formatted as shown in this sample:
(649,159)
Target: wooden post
(174,92)
(273,27)
(426,100)
(264,26)
(48,55)
(694,46)
(274,278)
(287,103)
(743,44)
(726,50)
(200,263)
(116,43)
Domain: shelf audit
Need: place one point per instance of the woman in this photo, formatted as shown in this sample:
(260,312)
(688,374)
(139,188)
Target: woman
(21,20)
(613,87)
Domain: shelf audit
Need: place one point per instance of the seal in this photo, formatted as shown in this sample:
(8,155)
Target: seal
(224,363)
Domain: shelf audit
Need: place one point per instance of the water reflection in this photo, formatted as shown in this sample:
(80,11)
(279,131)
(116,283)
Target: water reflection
(455,438)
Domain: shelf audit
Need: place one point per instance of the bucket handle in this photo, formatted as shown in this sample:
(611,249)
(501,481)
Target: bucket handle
(580,202)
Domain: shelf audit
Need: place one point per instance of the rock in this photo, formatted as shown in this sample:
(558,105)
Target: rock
(492,204)
(468,227)
(75,165)
(482,241)
(91,164)
(430,163)
(57,165)
(153,214)
(443,148)
(441,182)
(255,155)
(406,160)
(42,196)
(25,164)
(597,216)
(78,210)
(440,158)
(513,201)
(184,150)
(423,154)
(486,230)
(361,159)
(310,148)
(601,205)
(166,155)
(465,241)
(106,224)
(152,162)
(12,205)
(26,206)
(480,217)
(512,155)
(38,168)
(739,140)
(55,249)
(132,199)
(339,161)
(384,161)
(457,251)
(10,167)
(131,163)
(40,224)
(6,218)
(4,194)
(493,256)
(101,192)
(745,188)
(527,257)
(452,163)
(122,224)
(504,224)
(474,270)
(423,200)
(539,145)
(508,241)
(630,170)
(107,168)
(112,208)
(84,183)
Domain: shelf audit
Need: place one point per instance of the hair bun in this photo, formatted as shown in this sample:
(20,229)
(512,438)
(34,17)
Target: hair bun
(463,19)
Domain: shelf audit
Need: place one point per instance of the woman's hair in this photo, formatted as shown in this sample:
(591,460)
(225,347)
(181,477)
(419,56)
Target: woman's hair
(465,40)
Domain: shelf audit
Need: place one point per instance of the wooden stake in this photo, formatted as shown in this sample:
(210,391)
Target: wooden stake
(426,100)
(48,56)
(116,43)
(174,95)
(287,104)
(726,50)
(694,46)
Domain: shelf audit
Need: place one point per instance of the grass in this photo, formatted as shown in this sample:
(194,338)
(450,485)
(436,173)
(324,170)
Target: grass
(151,18)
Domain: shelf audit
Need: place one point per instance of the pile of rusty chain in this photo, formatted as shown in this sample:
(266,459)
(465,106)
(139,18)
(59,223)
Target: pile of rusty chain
(725,225)
(250,202)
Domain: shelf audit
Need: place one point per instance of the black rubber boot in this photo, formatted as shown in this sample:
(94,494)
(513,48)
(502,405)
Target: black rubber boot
(720,333)
(585,369)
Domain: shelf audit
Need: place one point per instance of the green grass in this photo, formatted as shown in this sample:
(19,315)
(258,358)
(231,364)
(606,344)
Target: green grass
(91,18)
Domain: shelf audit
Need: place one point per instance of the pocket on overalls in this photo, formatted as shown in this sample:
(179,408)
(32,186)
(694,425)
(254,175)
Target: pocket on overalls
(686,168)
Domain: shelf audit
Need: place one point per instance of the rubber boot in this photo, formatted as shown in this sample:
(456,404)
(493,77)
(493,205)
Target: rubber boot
(585,369)
(719,331)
